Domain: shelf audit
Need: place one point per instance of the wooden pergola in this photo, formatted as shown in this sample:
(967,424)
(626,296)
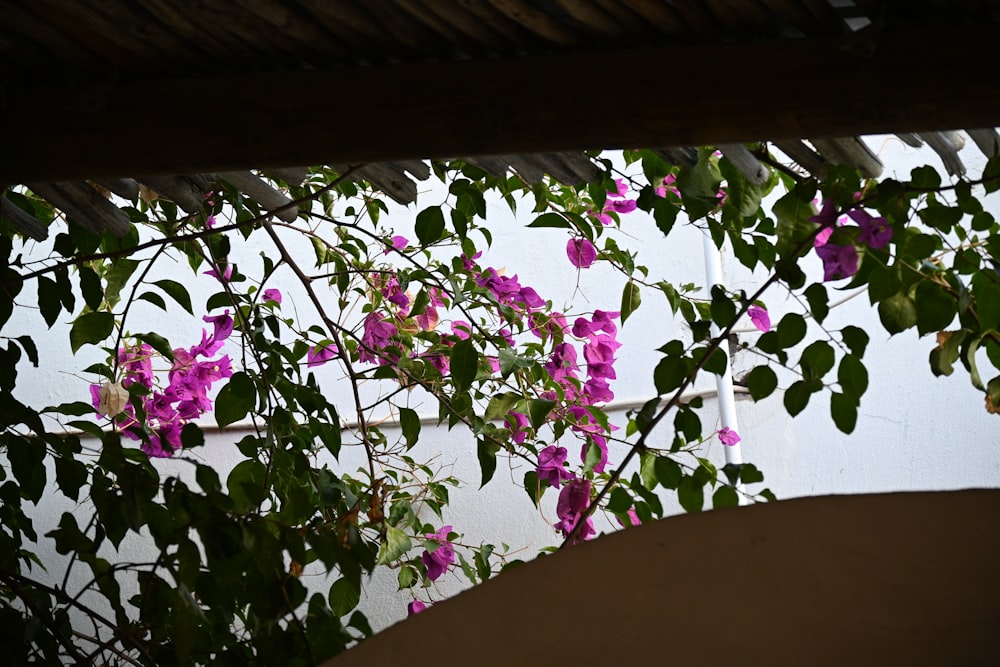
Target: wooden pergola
(107,88)
(167,91)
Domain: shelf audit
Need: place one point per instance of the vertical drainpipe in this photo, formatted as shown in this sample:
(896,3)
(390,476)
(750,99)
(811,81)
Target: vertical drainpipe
(724,382)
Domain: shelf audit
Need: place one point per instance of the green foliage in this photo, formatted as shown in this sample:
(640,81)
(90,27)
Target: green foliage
(235,551)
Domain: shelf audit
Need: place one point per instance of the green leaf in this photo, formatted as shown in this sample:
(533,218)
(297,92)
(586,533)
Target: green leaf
(487,450)
(936,307)
(235,400)
(761,382)
(723,309)
(725,496)
(630,300)
(818,301)
(791,330)
(669,374)
(395,546)
(430,225)
(71,475)
(409,422)
(538,410)
(345,595)
(464,364)
(90,287)
(154,299)
(158,343)
(29,348)
(49,302)
(991,174)
(668,472)
(533,487)
(91,328)
(844,410)
(944,356)
(690,494)
(898,313)
(856,339)
(550,220)
(797,397)
(987,294)
(177,292)
(246,485)
(817,359)
(500,405)
(665,214)
(620,501)
(852,376)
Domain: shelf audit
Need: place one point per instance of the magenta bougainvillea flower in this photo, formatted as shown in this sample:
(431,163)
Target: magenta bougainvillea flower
(518,424)
(415,607)
(581,253)
(839,261)
(272,295)
(320,354)
(551,462)
(378,331)
(437,561)
(397,243)
(728,436)
(667,186)
(760,318)
(875,232)
(573,502)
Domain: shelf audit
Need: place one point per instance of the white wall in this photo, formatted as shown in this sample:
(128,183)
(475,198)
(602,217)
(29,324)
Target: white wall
(914,431)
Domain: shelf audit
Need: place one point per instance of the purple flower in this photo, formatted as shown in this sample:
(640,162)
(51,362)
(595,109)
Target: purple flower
(553,323)
(875,232)
(227,273)
(728,436)
(272,295)
(415,607)
(437,561)
(573,502)
(620,188)
(550,466)
(398,243)
(621,205)
(827,217)
(581,253)
(601,321)
(839,261)
(518,424)
(760,318)
(668,186)
(378,330)
(633,519)
(320,354)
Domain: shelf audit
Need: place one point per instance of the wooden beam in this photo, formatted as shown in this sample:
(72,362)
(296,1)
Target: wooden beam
(906,79)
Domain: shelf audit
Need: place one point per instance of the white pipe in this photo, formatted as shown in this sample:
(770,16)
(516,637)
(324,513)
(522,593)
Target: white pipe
(724,382)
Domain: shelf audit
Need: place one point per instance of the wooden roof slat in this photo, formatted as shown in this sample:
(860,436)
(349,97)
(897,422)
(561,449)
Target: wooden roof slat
(662,15)
(22,221)
(392,182)
(795,13)
(269,198)
(516,33)
(176,189)
(491,164)
(348,24)
(416,36)
(117,45)
(850,151)
(417,168)
(291,175)
(539,22)
(986,139)
(245,28)
(947,150)
(85,206)
(633,23)
(472,39)
(803,155)
(126,188)
(305,33)
(595,19)
(581,166)
(218,48)
(63,46)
